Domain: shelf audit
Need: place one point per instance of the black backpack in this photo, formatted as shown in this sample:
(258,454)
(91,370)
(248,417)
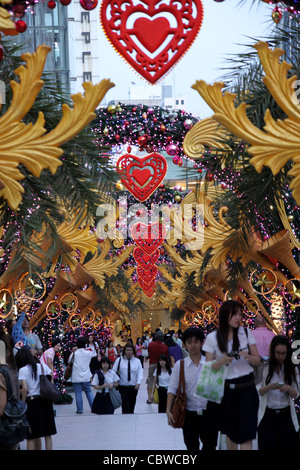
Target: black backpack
(13,424)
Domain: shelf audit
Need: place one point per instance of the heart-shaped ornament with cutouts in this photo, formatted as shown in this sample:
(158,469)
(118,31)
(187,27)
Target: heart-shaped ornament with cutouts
(147,275)
(148,237)
(151,36)
(142,176)
(144,260)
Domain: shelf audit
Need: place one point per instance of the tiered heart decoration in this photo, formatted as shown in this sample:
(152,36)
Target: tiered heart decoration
(151,36)
(142,176)
(148,238)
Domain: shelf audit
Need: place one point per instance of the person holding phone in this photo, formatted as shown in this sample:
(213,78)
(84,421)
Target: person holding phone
(278,426)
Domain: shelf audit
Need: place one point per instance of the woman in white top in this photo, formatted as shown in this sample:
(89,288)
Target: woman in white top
(278,428)
(235,346)
(47,357)
(162,377)
(104,379)
(39,412)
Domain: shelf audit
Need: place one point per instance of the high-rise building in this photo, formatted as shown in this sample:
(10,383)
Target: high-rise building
(50,27)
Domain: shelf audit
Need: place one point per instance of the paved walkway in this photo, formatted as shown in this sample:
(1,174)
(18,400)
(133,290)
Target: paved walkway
(145,430)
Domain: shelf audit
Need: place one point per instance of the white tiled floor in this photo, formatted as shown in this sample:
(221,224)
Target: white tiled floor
(144,430)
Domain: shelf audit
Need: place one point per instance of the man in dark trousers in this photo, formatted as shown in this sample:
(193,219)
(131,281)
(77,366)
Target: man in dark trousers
(130,371)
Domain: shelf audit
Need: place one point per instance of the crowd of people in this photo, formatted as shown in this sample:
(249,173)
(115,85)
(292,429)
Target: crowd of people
(261,385)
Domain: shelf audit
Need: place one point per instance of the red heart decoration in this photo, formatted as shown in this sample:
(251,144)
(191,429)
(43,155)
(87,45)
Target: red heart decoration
(146,286)
(150,35)
(148,237)
(148,275)
(144,260)
(141,176)
(150,292)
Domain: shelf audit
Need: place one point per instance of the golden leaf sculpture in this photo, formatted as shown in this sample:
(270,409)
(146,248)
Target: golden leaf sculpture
(279,141)
(6,24)
(205,134)
(29,144)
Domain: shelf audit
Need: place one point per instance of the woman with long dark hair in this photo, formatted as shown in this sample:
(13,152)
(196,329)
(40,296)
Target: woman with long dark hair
(40,412)
(175,352)
(162,376)
(278,424)
(235,346)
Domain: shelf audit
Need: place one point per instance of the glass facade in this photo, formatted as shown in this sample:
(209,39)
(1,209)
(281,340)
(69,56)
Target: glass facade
(49,27)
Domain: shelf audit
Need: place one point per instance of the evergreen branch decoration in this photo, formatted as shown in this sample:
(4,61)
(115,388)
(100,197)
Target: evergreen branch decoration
(29,144)
(279,142)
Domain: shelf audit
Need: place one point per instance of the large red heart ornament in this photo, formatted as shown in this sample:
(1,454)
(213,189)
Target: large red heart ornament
(142,176)
(150,35)
(148,237)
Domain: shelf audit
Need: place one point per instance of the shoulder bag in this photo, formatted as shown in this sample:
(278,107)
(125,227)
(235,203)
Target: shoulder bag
(13,423)
(115,397)
(179,404)
(69,368)
(47,388)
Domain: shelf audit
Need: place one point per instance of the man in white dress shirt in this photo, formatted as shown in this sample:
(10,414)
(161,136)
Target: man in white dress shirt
(130,371)
(194,427)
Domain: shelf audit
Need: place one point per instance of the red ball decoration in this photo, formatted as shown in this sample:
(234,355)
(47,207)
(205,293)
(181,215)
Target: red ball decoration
(142,140)
(19,10)
(89,4)
(21,26)
(65,2)
(51,4)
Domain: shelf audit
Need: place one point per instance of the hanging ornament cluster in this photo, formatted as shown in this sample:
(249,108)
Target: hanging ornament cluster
(151,36)
(11,13)
(151,129)
(142,176)
(149,239)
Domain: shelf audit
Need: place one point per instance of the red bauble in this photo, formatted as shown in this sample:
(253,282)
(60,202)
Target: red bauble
(19,10)
(65,2)
(89,4)
(21,26)
(51,4)
(142,140)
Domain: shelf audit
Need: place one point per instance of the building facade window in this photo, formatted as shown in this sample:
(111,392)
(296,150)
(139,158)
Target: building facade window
(49,27)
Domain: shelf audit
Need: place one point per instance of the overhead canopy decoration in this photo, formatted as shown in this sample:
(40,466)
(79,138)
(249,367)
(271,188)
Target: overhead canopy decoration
(152,37)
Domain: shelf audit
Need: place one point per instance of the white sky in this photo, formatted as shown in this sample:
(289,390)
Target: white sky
(226,30)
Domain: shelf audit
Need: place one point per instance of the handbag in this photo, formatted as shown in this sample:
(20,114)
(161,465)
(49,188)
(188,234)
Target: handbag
(69,369)
(115,397)
(13,423)
(211,382)
(156,396)
(179,403)
(47,388)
